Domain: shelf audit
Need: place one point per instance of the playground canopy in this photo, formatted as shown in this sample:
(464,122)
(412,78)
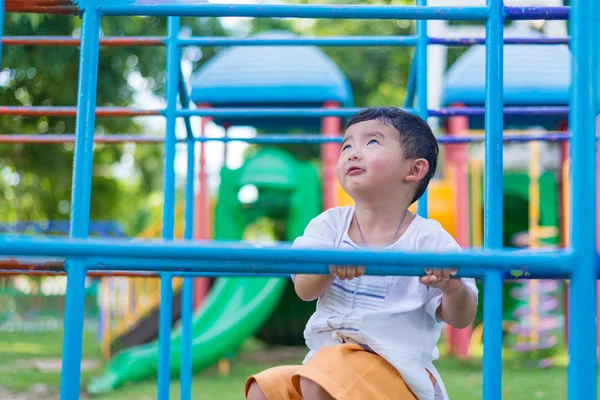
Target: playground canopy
(271,76)
(534,75)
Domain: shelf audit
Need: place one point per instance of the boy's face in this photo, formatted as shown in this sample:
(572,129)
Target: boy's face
(371,159)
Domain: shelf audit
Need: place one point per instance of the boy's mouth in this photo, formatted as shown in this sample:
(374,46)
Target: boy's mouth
(355,171)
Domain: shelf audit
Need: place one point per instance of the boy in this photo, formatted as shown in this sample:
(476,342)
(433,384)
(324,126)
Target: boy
(374,337)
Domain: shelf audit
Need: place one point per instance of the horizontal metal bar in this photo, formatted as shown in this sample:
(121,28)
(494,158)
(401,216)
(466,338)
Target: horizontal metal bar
(284,268)
(331,41)
(480,111)
(314,138)
(177,250)
(533,13)
(317,138)
(336,11)
(520,274)
(238,113)
(219,41)
(508,41)
(125,267)
(75,41)
(42,6)
(138,274)
(70,138)
(68,111)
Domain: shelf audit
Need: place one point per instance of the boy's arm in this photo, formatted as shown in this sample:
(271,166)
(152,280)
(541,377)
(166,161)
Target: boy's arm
(318,234)
(452,300)
(311,287)
(459,304)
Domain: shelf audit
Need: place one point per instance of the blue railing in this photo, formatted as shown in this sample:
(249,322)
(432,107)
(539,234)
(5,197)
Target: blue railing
(578,262)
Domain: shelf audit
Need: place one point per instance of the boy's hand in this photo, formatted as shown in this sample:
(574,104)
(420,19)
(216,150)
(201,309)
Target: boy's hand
(441,278)
(346,272)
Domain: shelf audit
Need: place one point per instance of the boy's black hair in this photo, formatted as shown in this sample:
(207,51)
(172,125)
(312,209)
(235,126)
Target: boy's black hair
(416,138)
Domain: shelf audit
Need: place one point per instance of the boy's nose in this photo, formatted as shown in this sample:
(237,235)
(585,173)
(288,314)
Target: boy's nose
(354,155)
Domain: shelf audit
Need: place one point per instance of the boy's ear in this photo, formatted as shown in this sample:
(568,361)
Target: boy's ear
(418,170)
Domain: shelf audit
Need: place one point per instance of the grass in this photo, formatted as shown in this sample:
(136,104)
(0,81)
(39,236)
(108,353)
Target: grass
(463,380)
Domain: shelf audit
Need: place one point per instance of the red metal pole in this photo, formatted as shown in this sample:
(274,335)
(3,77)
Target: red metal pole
(70,138)
(69,111)
(41,6)
(202,222)
(457,156)
(330,126)
(564,240)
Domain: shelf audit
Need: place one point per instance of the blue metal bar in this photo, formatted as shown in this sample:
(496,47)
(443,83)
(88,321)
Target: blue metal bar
(421,90)
(67,111)
(80,203)
(166,283)
(317,138)
(72,346)
(237,113)
(583,364)
(185,374)
(363,41)
(330,41)
(532,13)
(492,340)
(184,98)
(264,138)
(223,41)
(597,73)
(234,251)
(461,42)
(411,85)
(201,9)
(271,266)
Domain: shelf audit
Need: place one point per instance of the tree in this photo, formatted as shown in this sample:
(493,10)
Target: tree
(36,179)
(378,74)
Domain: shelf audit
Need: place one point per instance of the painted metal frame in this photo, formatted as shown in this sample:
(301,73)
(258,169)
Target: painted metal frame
(578,261)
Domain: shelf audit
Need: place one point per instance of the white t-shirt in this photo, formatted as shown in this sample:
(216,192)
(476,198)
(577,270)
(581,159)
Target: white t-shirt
(395,316)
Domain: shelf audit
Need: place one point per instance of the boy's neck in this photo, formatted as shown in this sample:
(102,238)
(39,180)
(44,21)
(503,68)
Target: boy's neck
(380,219)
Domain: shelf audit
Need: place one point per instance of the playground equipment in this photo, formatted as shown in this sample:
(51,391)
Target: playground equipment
(36,303)
(287,188)
(524,84)
(180,258)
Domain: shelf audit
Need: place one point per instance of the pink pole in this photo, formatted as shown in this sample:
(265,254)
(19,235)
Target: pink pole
(457,156)
(330,126)
(202,205)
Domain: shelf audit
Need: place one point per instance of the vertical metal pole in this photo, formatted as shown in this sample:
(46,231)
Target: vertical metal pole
(330,152)
(80,202)
(582,369)
(409,100)
(166,288)
(186,297)
(422,108)
(203,219)
(492,303)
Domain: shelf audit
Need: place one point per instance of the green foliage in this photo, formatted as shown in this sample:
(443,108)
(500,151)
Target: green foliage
(378,74)
(35,179)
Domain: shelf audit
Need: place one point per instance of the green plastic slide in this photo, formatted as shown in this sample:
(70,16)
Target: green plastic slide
(235,309)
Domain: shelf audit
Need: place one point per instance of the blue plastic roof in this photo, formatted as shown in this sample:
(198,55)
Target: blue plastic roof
(270,76)
(534,75)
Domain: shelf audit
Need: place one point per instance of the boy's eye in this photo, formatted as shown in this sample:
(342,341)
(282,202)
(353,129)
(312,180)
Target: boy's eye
(373,141)
(346,147)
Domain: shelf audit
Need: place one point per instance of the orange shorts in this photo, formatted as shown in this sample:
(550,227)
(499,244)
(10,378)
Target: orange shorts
(345,371)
